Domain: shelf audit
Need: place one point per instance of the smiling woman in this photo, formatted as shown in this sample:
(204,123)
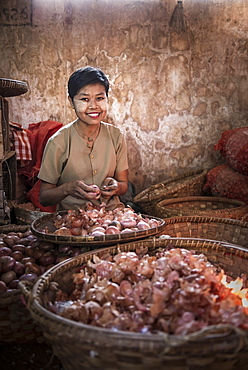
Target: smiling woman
(86,160)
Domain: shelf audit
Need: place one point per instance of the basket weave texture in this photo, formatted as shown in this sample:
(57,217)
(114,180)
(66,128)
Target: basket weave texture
(16,323)
(222,229)
(202,206)
(83,346)
(189,184)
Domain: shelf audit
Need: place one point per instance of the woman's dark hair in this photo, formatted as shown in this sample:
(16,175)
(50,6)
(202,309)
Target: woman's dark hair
(86,76)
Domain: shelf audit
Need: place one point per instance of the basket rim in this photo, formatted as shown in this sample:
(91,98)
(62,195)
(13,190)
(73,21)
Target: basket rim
(205,219)
(143,197)
(35,305)
(239,203)
(89,240)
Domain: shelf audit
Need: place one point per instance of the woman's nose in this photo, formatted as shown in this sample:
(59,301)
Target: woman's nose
(92,103)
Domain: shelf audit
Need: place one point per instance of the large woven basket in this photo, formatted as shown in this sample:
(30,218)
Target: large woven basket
(189,184)
(202,206)
(222,229)
(80,346)
(16,323)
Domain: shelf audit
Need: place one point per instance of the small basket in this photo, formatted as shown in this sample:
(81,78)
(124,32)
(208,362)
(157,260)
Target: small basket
(202,206)
(25,216)
(84,346)
(16,323)
(222,229)
(189,184)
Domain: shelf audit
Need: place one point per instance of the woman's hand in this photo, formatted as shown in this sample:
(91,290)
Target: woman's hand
(50,194)
(80,190)
(109,188)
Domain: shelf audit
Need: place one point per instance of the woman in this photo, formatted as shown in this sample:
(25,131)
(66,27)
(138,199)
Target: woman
(86,160)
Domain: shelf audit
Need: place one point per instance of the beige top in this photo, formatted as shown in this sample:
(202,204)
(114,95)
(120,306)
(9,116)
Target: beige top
(66,158)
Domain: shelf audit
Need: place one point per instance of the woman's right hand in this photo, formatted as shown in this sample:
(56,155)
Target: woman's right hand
(80,190)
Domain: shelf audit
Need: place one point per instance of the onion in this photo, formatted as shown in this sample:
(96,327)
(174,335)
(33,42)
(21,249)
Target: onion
(8,276)
(3,286)
(32,268)
(76,231)
(28,277)
(19,247)
(112,230)
(47,246)
(142,225)
(5,251)
(10,240)
(128,222)
(47,259)
(17,255)
(13,284)
(19,268)
(7,263)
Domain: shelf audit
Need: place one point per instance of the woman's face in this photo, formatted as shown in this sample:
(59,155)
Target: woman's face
(91,104)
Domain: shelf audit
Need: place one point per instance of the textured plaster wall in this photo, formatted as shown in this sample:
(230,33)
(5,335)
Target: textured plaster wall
(172,92)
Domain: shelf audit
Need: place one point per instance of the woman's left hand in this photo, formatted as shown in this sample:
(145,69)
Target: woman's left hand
(109,188)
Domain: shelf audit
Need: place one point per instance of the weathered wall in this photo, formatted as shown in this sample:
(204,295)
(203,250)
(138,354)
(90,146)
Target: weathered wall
(172,92)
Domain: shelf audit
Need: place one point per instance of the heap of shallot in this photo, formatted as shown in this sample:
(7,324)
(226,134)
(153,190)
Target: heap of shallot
(173,290)
(96,222)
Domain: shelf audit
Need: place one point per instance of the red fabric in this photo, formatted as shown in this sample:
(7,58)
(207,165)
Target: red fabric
(39,133)
(224,181)
(233,146)
(33,197)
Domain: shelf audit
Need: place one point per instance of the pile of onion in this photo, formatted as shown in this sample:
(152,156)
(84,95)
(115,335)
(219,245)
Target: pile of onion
(24,257)
(98,222)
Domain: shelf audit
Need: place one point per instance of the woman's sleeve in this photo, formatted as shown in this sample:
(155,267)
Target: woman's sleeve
(121,154)
(52,161)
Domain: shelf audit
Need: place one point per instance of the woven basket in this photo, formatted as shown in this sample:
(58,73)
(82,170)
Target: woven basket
(222,229)
(80,346)
(202,206)
(16,323)
(12,87)
(25,216)
(189,184)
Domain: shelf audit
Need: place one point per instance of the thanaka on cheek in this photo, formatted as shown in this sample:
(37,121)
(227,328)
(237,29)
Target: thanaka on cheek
(79,105)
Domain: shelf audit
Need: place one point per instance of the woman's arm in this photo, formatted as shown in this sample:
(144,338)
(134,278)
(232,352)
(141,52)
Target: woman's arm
(51,194)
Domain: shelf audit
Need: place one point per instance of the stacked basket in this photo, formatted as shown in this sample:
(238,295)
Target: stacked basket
(84,346)
(189,184)
(202,206)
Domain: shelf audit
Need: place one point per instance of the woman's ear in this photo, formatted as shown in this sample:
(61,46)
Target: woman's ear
(71,102)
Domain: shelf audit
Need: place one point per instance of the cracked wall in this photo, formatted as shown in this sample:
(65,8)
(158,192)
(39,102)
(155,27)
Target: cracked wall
(172,92)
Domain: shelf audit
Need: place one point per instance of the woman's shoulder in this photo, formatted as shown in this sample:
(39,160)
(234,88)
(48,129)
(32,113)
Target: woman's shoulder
(111,128)
(64,131)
